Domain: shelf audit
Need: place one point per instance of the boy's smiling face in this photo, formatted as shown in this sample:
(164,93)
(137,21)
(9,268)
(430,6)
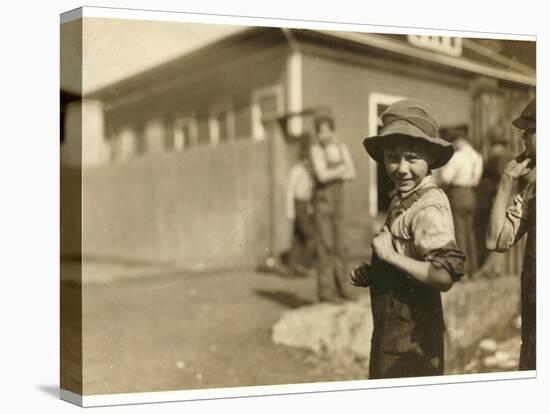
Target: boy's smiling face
(406,164)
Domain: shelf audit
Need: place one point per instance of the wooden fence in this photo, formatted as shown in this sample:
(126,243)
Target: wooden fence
(494,107)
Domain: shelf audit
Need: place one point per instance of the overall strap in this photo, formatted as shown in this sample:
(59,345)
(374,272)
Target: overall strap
(409,201)
(414,197)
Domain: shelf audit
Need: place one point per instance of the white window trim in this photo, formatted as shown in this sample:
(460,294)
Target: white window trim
(258,131)
(376,99)
(191,121)
(221,106)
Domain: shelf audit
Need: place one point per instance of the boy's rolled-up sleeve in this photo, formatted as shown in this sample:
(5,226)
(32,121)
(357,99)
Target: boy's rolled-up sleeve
(515,224)
(434,239)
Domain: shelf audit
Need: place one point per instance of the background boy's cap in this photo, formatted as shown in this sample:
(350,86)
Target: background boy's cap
(452,133)
(528,118)
(413,119)
(323,114)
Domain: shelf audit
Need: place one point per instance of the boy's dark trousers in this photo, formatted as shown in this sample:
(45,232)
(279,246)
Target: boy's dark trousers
(463,205)
(528,350)
(407,339)
(302,250)
(332,272)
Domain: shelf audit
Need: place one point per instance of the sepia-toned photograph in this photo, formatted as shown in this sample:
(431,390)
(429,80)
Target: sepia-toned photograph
(250,205)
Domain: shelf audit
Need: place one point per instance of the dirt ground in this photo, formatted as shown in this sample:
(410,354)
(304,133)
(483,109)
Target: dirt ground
(180,331)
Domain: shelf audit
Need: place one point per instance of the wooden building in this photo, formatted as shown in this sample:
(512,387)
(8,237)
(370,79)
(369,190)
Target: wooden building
(199,155)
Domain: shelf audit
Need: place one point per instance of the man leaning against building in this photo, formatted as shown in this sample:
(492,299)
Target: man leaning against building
(460,177)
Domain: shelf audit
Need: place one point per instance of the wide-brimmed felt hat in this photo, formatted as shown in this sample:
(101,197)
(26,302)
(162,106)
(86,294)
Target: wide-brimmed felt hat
(409,119)
(528,118)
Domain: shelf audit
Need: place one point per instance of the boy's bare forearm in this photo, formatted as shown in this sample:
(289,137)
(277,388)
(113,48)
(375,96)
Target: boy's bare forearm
(328,174)
(322,171)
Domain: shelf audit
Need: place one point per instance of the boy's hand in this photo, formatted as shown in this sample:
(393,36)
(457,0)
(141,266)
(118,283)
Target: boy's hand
(382,245)
(360,275)
(518,167)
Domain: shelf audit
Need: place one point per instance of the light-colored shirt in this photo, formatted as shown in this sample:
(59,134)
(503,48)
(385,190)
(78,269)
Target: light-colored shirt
(515,223)
(464,169)
(300,187)
(427,225)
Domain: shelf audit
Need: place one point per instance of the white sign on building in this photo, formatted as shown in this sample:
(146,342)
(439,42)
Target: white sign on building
(444,44)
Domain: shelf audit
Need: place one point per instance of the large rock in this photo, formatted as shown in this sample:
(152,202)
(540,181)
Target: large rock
(480,309)
(473,310)
(342,331)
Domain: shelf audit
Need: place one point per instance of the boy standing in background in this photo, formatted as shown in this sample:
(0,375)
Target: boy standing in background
(300,256)
(332,165)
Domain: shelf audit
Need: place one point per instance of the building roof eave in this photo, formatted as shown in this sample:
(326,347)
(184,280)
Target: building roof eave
(379,42)
(172,65)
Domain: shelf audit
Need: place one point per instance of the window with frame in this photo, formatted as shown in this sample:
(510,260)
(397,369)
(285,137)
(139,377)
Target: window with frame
(383,183)
(267,104)
(380,185)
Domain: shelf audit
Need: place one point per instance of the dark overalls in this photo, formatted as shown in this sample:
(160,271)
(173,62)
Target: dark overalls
(302,250)
(332,274)
(528,351)
(463,204)
(408,327)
